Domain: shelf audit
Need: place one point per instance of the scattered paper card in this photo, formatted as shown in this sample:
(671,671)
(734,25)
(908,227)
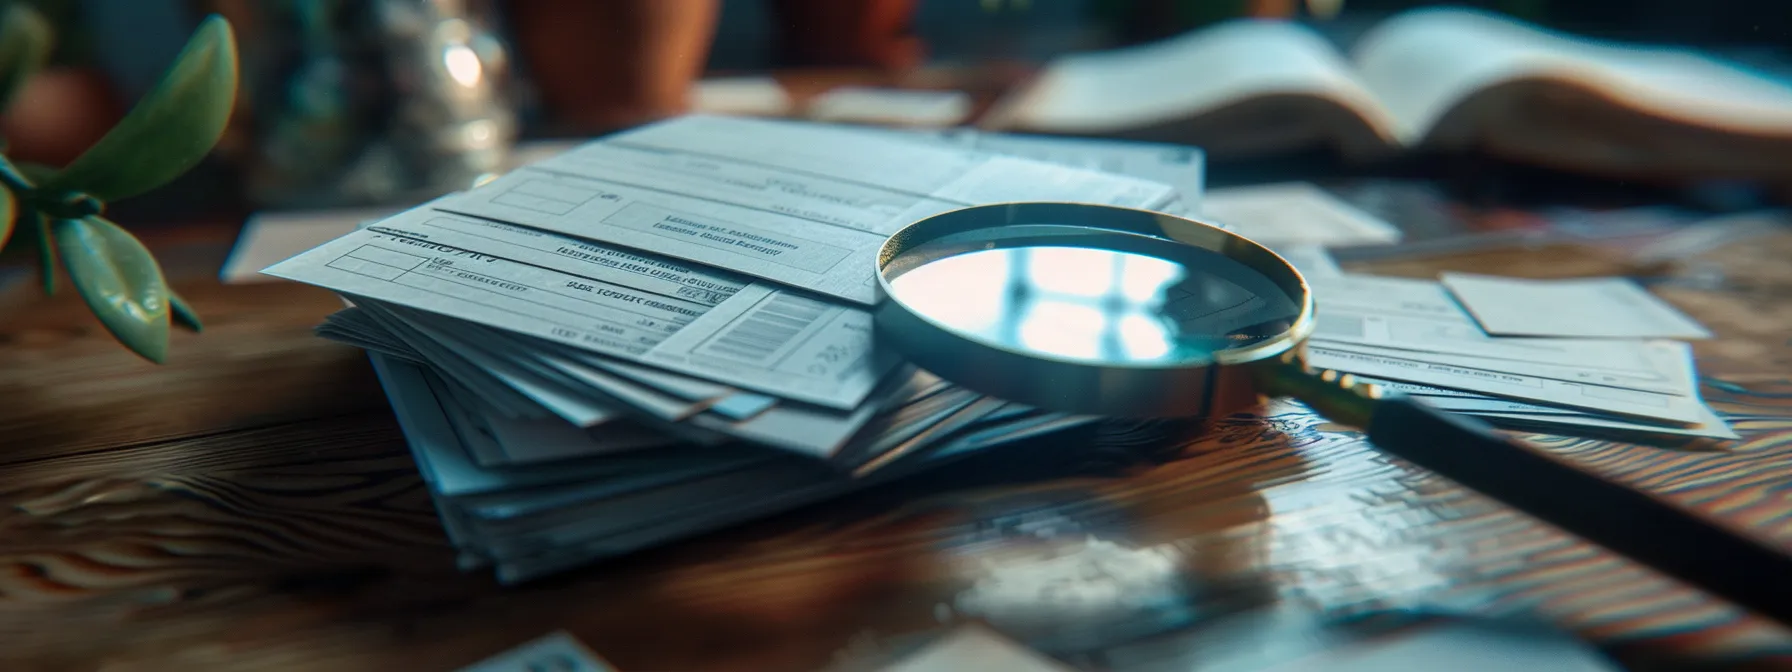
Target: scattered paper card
(902,107)
(558,652)
(1179,166)
(1572,308)
(1460,648)
(1313,262)
(976,648)
(270,237)
(1295,213)
(749,96)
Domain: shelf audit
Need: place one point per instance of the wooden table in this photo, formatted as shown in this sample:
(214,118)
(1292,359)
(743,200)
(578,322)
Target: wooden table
(251,505)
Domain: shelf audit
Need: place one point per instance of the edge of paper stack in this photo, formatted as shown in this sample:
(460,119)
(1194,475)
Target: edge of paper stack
(667,331)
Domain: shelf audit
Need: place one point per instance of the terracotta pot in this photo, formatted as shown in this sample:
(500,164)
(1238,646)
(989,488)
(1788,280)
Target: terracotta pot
(60,113)
(833,33)
(607,64)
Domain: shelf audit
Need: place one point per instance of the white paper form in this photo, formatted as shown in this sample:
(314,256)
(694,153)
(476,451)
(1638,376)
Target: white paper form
(1420,315)
(614,303)
(803,205)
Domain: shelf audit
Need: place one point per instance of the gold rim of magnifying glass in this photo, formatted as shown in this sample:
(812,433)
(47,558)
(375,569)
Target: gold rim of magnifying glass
(1134,389)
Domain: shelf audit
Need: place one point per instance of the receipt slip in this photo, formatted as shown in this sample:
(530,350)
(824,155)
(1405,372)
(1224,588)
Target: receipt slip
(620,304)
(1574,308)
(803,205)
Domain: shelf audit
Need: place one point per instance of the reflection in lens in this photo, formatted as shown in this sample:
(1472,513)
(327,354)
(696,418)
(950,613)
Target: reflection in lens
(1144,337)
(1062,328)
(1086,303)
(1071,272)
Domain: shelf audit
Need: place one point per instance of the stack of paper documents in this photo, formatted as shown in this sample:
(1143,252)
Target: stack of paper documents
(668,330)
(1626,377)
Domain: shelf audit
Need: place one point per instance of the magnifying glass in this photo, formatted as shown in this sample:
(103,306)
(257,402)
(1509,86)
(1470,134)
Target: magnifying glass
(1100,310)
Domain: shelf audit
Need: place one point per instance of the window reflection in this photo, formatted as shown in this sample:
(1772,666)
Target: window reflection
(1064,301)
(1063,327)
(1092,304)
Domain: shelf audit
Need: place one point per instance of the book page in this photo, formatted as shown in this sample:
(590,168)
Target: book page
(1184,77)
(1423,63)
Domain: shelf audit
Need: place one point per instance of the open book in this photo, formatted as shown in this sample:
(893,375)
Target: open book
(1436,79)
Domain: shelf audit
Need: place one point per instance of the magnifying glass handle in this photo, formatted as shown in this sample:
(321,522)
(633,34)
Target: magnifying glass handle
(1675,541)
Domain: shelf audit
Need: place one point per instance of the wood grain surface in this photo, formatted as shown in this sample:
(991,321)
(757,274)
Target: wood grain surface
(250,506)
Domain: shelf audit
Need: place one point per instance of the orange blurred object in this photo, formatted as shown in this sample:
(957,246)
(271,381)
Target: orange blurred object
(612,63)
(848,33)
(60,113)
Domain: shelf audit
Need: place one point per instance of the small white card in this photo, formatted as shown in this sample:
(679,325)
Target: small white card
(749,96)
(976,648)
(271,237)
(904,107)
(1312,261)
(1295,213)
(558,652)
(1573,308)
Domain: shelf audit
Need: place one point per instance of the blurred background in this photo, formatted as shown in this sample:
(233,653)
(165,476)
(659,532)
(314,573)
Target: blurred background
(346,102)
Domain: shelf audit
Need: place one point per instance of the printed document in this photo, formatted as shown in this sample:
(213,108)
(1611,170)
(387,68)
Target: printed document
(802,205)
(630,306)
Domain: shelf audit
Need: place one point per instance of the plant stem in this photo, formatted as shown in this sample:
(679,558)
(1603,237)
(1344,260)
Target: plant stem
(59,205)
(9,175)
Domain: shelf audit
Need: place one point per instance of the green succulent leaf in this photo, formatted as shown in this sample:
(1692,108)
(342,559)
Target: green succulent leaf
(183,313)
(9,214)
(120,281)
(25,42)
(170,130)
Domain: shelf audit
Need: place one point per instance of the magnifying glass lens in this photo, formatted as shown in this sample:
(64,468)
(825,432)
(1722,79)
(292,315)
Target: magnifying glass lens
(1094,296)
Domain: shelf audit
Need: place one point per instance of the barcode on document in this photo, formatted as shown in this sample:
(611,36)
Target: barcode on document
(768,328)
